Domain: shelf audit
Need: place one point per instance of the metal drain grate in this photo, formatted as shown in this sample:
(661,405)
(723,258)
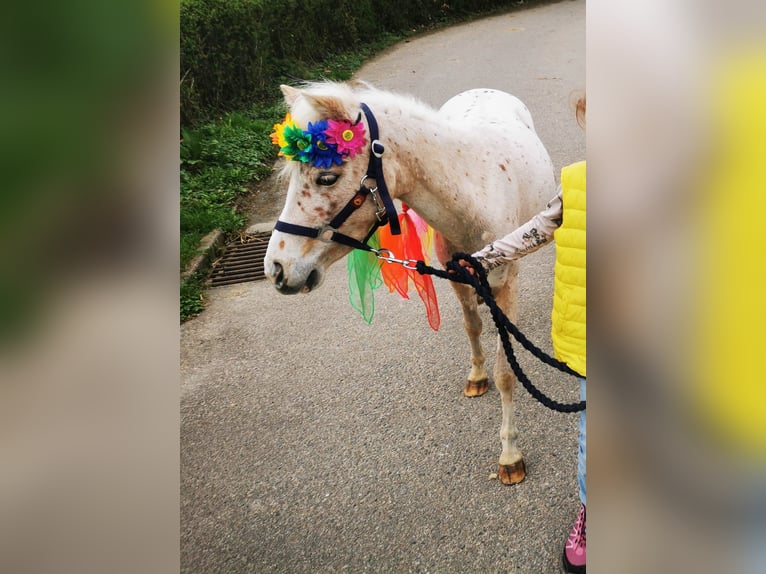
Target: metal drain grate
(242,261)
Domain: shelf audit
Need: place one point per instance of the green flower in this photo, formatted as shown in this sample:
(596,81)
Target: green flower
(298,143)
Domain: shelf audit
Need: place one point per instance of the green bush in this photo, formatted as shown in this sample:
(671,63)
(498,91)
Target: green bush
(237,52)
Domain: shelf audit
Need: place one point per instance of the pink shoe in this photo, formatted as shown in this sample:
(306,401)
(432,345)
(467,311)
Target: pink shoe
(574,551)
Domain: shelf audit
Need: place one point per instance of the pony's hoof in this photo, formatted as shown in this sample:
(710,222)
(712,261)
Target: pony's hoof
(512,473)
(476,388)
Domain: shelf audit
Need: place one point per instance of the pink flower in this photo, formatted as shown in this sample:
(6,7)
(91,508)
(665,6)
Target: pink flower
(347,136)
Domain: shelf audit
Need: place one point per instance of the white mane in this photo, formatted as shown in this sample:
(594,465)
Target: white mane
(352,94)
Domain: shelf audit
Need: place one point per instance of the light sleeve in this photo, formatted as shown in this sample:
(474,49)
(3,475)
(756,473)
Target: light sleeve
(525,239)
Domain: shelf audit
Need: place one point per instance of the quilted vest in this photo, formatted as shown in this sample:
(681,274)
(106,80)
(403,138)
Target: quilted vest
(568,316)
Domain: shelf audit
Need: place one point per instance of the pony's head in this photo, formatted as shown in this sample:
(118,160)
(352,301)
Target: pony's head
(326,144)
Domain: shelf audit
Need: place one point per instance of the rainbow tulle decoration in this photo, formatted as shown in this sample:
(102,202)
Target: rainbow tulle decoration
(367,274)
(363,279)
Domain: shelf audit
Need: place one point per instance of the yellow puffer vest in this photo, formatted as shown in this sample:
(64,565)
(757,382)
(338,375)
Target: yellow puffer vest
(568,317)
(724,346)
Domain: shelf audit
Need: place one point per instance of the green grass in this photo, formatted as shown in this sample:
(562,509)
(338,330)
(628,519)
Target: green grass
(192,297)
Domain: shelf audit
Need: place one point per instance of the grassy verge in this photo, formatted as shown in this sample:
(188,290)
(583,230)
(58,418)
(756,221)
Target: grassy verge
(218,162)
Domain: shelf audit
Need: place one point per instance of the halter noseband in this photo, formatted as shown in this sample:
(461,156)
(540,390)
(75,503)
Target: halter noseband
(385,211)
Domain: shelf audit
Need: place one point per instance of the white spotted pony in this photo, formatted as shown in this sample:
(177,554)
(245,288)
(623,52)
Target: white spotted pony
(474,170)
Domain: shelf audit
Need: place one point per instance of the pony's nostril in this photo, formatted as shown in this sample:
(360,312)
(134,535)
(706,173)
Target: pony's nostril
(312,279)
(279,275)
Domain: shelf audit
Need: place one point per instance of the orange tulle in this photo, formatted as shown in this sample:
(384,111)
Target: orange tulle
(394,276)
(414,243)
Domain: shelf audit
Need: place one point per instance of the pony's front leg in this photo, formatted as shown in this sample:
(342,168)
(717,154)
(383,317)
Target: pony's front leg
(512,469)
(477,382)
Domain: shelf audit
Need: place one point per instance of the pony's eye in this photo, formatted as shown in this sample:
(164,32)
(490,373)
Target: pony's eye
(327,178)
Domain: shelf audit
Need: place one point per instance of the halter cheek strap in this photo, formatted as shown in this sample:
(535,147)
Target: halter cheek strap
(375,170)
(385,210)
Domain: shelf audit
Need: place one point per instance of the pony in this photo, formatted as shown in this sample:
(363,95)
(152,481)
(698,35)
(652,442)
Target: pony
(474,170)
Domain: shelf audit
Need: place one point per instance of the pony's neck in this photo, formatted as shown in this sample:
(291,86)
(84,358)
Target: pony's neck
(429,162)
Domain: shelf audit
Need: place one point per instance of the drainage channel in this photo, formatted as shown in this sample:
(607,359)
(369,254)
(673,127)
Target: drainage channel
(242,260)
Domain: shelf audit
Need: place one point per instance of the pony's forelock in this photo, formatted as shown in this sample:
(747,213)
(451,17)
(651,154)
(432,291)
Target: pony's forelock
(324,100)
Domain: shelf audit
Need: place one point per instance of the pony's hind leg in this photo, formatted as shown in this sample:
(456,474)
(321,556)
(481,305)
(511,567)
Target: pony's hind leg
(512,469)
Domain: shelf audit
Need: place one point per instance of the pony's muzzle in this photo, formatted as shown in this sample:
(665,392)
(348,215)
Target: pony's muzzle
(285,287)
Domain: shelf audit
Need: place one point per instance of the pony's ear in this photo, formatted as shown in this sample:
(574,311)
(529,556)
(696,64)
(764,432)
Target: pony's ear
(291,94)
(357,84)
(328,107)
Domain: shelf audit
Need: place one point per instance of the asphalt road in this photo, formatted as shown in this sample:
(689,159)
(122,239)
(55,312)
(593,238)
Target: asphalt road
(312,442)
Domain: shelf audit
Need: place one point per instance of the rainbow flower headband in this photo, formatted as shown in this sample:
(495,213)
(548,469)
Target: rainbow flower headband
(324,143)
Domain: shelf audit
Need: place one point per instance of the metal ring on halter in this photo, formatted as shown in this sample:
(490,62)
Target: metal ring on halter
(325,233)
(386,255)
(372,189)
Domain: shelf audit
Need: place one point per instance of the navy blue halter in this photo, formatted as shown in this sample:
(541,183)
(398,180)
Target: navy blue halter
(384,214)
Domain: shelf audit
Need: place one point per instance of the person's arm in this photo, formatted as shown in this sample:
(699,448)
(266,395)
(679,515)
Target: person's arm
(535,233)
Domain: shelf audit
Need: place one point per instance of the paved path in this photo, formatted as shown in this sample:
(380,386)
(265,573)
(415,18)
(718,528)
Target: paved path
(312,442)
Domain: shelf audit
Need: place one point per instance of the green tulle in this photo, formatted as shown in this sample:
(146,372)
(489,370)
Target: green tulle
(363,278)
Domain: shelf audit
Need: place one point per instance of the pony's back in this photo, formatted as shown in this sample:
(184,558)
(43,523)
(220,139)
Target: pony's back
(486,106)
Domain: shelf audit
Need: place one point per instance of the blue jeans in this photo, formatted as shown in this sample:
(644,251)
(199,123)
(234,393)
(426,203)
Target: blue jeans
(581,447)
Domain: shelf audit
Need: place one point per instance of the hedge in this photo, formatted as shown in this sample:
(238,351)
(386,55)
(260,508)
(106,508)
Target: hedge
(237,52)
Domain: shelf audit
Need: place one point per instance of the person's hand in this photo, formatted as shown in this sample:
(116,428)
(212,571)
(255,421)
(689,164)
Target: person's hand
(463,263)
(466,265)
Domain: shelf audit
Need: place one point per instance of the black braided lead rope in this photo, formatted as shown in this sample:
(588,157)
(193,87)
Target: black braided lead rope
(458,273)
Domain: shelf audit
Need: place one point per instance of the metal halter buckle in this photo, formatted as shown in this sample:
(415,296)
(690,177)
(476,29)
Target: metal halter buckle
(380,209)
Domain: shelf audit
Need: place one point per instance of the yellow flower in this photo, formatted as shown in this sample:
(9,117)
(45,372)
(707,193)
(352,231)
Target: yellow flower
(278,136)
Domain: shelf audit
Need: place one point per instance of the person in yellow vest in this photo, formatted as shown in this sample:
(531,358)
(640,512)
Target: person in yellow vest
(563,220)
